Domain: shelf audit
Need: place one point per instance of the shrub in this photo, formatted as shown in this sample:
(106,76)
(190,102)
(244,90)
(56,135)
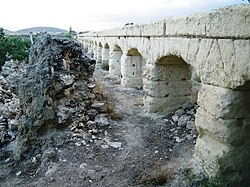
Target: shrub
(105,66)
(102,95)
(13,47)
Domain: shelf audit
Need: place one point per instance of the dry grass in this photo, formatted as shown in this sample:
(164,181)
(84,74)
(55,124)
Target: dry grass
(103,96)
(156,176)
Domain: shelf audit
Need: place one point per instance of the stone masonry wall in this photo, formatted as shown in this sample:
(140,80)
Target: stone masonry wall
(216,48)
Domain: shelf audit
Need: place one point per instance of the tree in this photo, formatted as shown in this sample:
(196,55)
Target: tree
(247,0)
(13,47)
(2,47)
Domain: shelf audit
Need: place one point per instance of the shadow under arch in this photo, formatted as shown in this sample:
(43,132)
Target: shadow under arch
(170,85)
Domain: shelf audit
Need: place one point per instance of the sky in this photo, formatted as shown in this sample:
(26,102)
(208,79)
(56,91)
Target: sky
(83,15)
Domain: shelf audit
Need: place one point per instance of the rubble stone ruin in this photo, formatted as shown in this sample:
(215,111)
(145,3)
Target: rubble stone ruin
(177,58)
(55,90)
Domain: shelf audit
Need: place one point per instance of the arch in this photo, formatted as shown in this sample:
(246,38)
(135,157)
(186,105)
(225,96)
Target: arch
(115,61)
(99,53)
(105,54)
(106,46)
(169,85)
(131,68)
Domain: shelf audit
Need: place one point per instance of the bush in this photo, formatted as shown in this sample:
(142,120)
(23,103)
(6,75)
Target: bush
(13,47)
(105,66)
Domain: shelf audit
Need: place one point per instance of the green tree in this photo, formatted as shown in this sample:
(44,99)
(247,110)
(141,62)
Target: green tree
(13,47)
(2,47)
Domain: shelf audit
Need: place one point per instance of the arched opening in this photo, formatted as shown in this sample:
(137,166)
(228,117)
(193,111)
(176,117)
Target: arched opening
(99,53)
(131,69)
(115,62)
(95,50)
(105,55)
(169,85)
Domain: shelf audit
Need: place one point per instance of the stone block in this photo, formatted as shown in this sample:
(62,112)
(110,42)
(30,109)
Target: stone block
(229,22)
(228,131)
(168,89)
(194,25)
(224,103)
(163,105)
(153,29)
(216,158)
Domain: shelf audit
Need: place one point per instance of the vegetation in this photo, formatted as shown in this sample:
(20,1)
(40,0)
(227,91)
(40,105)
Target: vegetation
(13,47)
(105,66)
(70,34)
(103,96)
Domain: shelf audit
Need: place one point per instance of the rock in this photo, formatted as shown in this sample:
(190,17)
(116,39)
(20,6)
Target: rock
(191,112)
(51,169)
(179,112)
(183,120)
(78,144)
(49,155)
(115,144)
(101,120)
(91,86)
(190,125)
(175,118)
(177,139)
(18,173)
(188,106)
(91,124)
(53,91)
(92,114)
(105,146)
(99,107)
(9,112)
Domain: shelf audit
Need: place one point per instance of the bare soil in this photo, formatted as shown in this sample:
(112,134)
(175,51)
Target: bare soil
(137,150)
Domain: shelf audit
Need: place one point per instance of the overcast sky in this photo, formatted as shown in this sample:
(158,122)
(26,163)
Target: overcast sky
(84,15)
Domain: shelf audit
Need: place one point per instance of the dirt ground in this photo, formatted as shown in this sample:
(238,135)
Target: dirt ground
(137,150)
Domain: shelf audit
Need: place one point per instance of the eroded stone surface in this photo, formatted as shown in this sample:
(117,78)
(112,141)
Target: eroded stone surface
(54,91)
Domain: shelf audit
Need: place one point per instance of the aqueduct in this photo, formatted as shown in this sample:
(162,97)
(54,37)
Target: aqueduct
(167,57)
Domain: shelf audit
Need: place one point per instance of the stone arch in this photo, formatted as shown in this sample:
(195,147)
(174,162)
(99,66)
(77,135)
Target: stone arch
(99,53)
(115,61)
(169,85)
(94,49)
(131,68)
(105,53)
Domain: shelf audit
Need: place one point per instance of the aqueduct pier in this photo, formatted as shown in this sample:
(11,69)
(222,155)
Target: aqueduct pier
(173,57)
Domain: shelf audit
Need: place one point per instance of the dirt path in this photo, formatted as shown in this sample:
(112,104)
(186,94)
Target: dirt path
(134,151)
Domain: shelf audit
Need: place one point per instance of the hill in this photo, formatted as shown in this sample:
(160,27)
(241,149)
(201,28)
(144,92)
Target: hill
(34,30)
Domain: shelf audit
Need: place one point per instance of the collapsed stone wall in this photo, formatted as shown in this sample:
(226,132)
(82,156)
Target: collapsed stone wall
(55,91)
(9,113)
(10,77)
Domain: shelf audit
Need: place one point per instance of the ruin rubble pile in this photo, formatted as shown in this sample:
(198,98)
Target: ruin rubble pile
(9,112)
(55,91)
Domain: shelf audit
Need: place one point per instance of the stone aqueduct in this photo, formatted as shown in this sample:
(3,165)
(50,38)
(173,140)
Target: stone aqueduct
(167,57)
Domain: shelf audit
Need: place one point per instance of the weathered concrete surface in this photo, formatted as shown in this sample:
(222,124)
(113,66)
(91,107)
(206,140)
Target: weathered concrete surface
(211,49)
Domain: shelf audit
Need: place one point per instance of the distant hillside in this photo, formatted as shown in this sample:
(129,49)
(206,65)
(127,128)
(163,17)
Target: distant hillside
(8,32)
(34,30)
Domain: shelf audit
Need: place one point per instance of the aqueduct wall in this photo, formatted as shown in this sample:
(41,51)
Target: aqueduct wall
(167,57)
